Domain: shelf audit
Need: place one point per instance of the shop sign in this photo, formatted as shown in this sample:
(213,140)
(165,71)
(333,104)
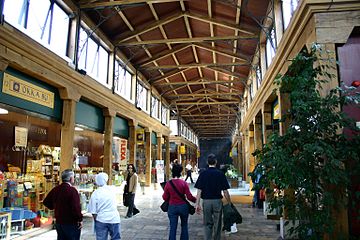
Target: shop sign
(276,111)
(123,149)
(140,135)
(182,149)
(22,89)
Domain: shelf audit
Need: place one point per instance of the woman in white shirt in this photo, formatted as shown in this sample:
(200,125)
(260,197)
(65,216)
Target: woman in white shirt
(103,207)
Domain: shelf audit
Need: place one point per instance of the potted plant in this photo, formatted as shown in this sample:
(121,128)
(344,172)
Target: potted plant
(232,175)
(308,166)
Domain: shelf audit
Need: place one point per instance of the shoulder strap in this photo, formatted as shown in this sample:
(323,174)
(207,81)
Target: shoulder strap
(177,191)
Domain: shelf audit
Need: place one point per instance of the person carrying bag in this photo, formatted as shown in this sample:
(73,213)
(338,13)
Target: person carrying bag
(174,191)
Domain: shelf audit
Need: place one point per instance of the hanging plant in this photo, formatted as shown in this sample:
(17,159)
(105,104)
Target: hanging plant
(310,159)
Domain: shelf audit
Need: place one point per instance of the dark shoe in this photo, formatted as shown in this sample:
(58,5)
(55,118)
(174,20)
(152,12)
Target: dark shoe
(128,216)
(135,211)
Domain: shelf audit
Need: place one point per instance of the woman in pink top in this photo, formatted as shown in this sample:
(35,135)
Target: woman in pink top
(177,206)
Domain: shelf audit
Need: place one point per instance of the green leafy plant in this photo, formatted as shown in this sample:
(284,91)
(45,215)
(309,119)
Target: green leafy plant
(231,172)
(307,166)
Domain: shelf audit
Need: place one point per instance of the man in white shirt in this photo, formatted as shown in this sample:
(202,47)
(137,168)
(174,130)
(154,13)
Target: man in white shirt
(188,168)
(102,206)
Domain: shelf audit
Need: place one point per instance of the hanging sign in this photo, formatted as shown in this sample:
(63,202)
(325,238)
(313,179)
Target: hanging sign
(182,149)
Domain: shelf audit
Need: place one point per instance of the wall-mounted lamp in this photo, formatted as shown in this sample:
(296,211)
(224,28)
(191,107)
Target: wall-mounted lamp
(116,138)
(3,111)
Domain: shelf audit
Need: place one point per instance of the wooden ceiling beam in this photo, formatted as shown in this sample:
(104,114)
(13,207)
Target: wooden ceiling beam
(219,23)
(199,81)
(166,75)
(183,40)
(194,65)
(129,35)
(239,56)
(207,103)
(181,95)
(98,5)
(209,115)
(164,54)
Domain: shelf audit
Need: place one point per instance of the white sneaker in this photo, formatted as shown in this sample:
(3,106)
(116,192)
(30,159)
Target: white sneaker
(233,228)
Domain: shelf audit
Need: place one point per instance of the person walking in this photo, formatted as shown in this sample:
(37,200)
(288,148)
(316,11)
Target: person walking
(189,172)
(66,202)
(210,184)
(177,206)
(102,206)
(130,189)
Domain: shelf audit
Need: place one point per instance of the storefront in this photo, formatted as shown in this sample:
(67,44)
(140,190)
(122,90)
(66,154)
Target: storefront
(30,125)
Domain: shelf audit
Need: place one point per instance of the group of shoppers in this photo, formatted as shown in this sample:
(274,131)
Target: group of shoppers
(211,184)
(65,200)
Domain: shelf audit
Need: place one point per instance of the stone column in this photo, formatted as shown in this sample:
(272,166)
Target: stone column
(266,122)
(70,98)
(148,156)
(250,156)
(159,146)
(109,115)
(132,141)
(257,135)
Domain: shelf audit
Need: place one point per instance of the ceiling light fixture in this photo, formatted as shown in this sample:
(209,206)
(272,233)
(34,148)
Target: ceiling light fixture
(79,129)
(3,111)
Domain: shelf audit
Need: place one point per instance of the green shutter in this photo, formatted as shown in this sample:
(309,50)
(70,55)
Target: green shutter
(121,127)
(89,116)
(153,138)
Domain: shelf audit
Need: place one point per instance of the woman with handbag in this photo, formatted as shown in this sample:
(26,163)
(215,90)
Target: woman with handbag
(178,206)
(130,190)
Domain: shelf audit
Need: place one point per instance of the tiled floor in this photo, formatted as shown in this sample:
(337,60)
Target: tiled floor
(152,223)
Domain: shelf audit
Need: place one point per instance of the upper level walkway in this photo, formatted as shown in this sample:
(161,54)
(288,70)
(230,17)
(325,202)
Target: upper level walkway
(152,223)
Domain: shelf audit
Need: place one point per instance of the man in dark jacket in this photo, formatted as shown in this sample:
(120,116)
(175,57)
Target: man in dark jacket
(66,202)
(210,186)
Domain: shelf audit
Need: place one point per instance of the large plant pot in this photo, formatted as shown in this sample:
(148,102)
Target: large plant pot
(233,182)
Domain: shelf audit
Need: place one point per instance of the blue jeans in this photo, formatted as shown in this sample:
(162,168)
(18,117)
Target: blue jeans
(174,212)
(102,230)
(67,231)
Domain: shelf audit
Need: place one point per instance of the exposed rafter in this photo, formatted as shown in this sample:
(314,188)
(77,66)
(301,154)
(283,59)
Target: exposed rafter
(194,65)
(184,40)
(114,3)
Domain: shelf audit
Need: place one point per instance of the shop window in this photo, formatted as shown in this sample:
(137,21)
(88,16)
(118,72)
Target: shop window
(93,58)
(251,92)
(164,115)
(122,80)
(22,136)
(174,127)
(288,9)
(270,46)
(154,107)
(141,97)
(43,20)
(258,76)
(88,148)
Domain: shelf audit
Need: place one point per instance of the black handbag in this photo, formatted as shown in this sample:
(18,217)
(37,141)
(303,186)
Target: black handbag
(164,206)
(191,207)
(126,199)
